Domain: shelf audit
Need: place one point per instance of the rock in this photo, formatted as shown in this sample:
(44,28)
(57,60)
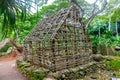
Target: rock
(117,48)
(41,71)
(98,57)
(63,75)
(93,77)
(49,78)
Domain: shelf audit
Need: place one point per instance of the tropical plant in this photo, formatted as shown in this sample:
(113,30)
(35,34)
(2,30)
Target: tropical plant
(10,10)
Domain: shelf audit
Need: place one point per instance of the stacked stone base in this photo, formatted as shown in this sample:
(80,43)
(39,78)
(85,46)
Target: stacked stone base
(39,73)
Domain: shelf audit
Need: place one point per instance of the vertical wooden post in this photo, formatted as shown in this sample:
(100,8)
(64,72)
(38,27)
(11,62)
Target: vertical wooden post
(66,50)
(32,51)
(43,53)
(53,55)
(58,47)
(25,51)
(40,53)
(30,46)
(74,38)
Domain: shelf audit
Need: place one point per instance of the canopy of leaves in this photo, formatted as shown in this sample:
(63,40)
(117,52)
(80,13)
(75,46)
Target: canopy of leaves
(115,14)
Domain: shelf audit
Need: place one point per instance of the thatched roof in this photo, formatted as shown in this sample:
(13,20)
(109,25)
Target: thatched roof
(50,26)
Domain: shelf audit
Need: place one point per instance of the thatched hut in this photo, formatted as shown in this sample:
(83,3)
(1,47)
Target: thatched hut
(59,41)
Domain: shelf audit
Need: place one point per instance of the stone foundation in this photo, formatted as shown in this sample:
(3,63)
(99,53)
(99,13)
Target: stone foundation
(39,73)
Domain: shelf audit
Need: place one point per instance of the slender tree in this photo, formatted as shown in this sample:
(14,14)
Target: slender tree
(111,5)
(95,11)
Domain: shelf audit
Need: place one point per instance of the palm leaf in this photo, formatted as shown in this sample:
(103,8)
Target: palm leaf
(13,9)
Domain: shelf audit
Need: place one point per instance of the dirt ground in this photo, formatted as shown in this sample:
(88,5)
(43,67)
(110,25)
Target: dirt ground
(8,69)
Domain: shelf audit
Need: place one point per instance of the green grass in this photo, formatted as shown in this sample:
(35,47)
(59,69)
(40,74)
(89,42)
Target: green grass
(113,64)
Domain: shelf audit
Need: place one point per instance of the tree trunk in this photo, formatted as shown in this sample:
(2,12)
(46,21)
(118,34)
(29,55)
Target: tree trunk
(116,29)
(109,24)
(19,48)
(4,42)
(99,34)
(8,40)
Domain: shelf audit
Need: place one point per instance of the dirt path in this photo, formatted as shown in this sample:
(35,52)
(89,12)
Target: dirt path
(9,71)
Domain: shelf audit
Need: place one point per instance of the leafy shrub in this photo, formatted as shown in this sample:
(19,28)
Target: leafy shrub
(113,65)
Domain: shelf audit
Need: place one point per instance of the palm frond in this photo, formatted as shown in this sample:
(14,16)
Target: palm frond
(13,9)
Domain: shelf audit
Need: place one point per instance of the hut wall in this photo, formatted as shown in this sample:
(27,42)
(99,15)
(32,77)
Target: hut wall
(70,48)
